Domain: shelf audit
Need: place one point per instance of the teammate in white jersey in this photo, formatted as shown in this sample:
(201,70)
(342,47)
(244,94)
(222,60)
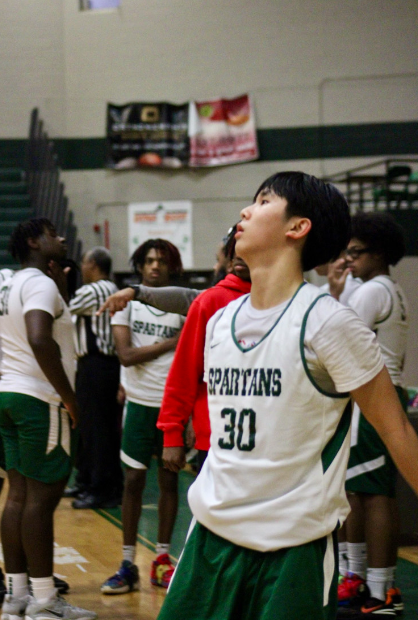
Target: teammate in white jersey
(377,242)
(38,413)
(281,365)
(145,340)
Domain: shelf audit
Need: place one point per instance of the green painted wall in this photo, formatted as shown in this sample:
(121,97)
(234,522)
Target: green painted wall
(276,144)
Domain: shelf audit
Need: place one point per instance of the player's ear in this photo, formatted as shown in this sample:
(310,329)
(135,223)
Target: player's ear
(33,243)
(299,227)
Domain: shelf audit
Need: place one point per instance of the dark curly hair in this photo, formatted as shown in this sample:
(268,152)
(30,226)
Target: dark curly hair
(380,232)
(167,249)
(31,229)
(320,202)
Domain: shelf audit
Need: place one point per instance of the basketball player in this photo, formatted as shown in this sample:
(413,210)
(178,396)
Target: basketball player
(281,365)
(372,527)
(145,341)
(38,413)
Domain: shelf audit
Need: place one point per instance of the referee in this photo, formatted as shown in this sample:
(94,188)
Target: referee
(99,478)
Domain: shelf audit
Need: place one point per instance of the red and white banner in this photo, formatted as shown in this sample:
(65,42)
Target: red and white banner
(222,131)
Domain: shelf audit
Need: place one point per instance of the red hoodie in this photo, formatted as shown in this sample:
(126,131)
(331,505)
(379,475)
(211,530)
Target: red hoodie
(185,392)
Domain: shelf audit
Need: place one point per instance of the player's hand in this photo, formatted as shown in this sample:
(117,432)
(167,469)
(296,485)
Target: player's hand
(174,458)
(59,275)
(190,435)
(72,410)
(117,301)
(337,276)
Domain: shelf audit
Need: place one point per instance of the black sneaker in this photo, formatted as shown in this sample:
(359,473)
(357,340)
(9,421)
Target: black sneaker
(61,585)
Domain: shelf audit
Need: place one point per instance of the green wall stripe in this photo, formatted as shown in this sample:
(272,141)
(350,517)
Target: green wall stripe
(276,144)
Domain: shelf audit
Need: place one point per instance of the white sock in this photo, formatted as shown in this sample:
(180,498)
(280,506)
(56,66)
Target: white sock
(161,548)
(357,559)
(342,558)
(43,588)
(129,553)
(17,584)
(391,577)
(376,580)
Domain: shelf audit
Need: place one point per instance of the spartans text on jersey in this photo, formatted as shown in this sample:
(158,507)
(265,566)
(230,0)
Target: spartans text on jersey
(163,331)
(245,381)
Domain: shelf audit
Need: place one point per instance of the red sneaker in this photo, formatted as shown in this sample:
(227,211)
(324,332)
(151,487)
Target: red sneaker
(161,571)
(352,590)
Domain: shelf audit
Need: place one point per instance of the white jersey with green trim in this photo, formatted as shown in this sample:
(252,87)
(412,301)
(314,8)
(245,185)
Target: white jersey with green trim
(30,289)
(275,472)
(144,383)
(382,305)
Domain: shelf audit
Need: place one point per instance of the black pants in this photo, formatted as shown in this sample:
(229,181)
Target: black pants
(98,459)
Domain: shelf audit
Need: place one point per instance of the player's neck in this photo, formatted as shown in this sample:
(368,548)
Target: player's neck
(274,284)
(36,262)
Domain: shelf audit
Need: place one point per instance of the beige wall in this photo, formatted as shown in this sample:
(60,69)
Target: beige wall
(305,62)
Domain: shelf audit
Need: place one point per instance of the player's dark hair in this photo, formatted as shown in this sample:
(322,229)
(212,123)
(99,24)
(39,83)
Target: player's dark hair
(101,256)
(320,202)
(167,249)
(229,242)
(380,232)
(31,229)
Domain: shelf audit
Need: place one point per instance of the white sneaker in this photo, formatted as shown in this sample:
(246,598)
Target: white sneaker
(57,607)
(14,608)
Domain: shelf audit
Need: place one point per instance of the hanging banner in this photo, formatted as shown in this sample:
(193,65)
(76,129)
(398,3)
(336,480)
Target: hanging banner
(170,220)
(222,131)
(147,134)
(196,134)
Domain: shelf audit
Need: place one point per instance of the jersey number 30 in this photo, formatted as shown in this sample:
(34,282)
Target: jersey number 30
(245,438)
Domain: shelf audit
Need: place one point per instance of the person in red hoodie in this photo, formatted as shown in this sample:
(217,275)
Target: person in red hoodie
(185,391)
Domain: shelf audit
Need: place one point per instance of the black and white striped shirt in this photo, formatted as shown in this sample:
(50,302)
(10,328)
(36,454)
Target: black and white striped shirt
(93,334)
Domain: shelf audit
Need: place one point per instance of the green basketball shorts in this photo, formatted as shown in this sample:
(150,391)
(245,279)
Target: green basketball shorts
(370,467)
(37,437)
(216,579)
(141,438)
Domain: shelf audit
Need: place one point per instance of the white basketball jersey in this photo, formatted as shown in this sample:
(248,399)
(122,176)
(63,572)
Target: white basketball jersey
(274,476)
(390,324)
(144,383)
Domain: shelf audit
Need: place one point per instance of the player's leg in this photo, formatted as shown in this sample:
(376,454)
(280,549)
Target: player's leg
(136,454)
(162,569)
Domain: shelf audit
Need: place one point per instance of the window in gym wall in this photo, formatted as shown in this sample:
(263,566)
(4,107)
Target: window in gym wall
(92,5)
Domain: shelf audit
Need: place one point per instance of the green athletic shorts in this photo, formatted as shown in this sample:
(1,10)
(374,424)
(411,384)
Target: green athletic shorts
(38,440)
(370,467)
(217,580)
(141,438)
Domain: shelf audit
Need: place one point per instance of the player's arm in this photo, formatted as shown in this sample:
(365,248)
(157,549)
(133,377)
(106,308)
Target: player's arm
(46,351)
(379,403)
(130,355)
(175,299)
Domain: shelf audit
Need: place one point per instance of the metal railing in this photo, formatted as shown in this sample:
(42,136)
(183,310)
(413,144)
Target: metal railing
(385,184)
(46,191)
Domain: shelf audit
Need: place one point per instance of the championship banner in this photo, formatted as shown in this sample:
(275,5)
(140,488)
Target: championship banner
(222,131)
(170,220)
(147,134)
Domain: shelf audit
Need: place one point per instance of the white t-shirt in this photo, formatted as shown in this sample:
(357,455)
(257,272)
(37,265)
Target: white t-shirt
(30,289)
(382,305)
(275,472)
(144,383)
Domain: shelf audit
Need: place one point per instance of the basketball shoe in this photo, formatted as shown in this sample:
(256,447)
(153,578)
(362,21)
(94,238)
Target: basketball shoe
(125,580)
(161,571)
